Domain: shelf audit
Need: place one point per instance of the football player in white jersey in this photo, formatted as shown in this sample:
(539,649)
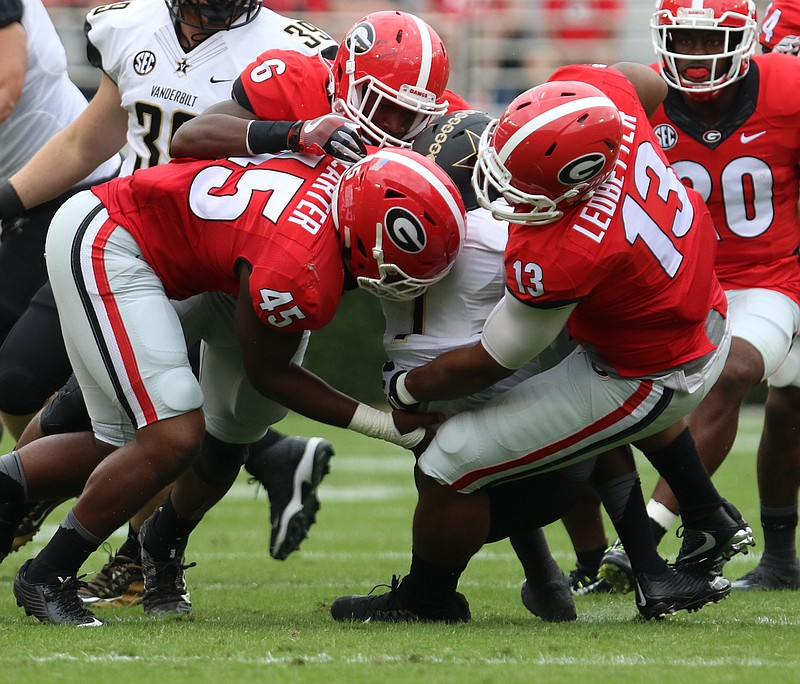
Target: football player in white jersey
(37,100)
(162,64)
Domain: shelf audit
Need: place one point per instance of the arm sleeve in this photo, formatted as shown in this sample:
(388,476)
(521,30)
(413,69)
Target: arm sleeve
(515,332)
(10,12)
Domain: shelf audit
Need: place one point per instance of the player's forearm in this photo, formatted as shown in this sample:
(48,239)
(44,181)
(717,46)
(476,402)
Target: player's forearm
(455,374)
(61,163)
(211,136)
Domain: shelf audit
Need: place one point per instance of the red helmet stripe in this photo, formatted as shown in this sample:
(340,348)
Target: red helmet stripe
(437,184)
(427,52)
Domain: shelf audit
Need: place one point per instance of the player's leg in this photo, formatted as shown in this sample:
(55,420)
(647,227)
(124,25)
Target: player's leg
(139,390)
(762,327)
(778,468)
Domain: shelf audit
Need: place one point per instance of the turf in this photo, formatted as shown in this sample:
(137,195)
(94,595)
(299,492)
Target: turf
(256,619)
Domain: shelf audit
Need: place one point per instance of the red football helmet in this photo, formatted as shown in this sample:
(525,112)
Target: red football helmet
(736,22)
(401,222)
(780,28)
(553,145)
(390,57)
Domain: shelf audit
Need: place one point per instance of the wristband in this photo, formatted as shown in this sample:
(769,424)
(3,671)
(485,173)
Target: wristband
(379,424)
(402,392)
(268,136)
(10,203)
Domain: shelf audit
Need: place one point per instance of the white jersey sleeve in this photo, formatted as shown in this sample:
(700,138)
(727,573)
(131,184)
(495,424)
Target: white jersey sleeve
(49,101)
(161,85)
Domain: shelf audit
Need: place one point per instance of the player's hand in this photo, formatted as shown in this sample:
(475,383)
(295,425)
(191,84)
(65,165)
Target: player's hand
(406,422)
(789,45)
(328,134)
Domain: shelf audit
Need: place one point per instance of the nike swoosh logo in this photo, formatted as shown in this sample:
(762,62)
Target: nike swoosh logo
(709,544)
(749,138)
(214,79)
(640,599)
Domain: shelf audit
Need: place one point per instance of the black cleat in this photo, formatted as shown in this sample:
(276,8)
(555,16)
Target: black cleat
(165,591)
(390,607)
(57,603)
(583,581)
(551,601)
(770,577)
(712,540)
(615,568)
(119,584)
(291,470)
(674,590)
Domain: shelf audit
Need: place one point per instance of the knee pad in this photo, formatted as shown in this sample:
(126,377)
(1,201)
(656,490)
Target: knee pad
(66,412)
(219,463)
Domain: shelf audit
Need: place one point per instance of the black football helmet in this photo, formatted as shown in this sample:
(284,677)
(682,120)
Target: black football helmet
(452,142)
(214,15)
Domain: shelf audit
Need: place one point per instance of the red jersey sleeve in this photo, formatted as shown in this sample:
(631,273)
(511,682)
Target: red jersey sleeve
(284,85)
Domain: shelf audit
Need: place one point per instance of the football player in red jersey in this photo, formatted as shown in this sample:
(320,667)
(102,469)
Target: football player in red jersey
(162,63)
(604,239)
(284,229)
(729,128)
(780,28)
(390,88)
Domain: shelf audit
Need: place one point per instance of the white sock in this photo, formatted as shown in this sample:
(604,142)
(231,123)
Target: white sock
(661,514)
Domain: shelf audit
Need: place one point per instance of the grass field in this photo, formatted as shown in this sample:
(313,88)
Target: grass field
(256,619)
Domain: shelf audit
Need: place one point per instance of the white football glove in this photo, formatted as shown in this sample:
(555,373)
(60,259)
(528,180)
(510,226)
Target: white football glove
(328,134)
(789,45)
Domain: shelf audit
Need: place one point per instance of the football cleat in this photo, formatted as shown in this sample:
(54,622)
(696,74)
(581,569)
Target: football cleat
(770,577)
(119,584)
(583,581)
(712,540)
(32,522)
(56,603)
(390,607)
(551,601)
(165,591)
(674,590)
(615,568)
(291,469)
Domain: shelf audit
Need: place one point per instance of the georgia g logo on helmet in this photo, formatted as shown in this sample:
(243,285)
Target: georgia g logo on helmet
(362,38)
(581,169)
(405,230)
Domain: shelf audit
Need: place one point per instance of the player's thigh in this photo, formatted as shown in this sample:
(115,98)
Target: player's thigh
(122,335)
(559,417)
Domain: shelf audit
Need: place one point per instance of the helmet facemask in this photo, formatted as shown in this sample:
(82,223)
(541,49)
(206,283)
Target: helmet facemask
(737,33)
(214,15)
(393,284)
(491,181)
(366,95)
